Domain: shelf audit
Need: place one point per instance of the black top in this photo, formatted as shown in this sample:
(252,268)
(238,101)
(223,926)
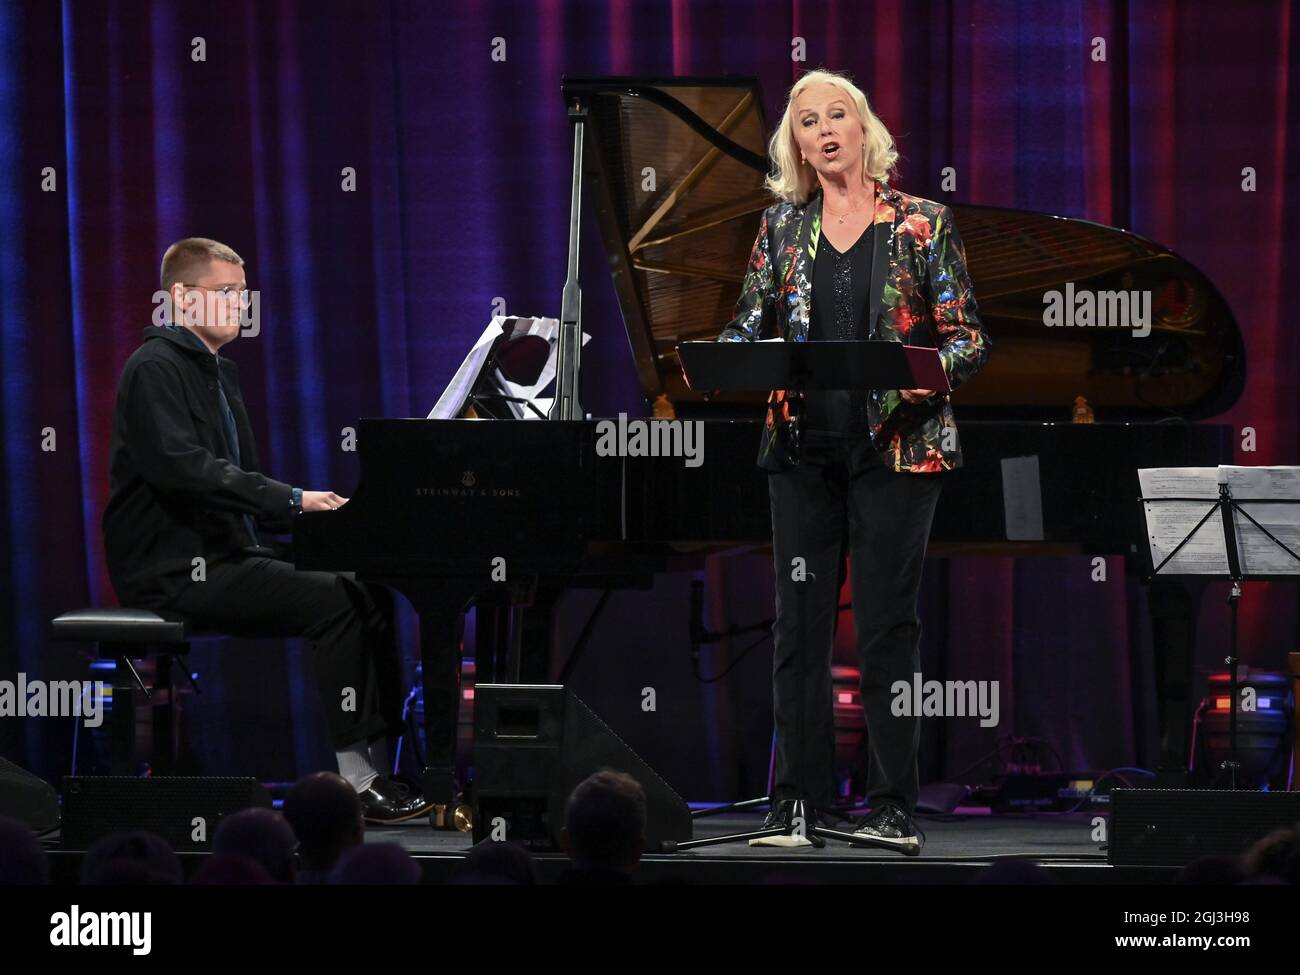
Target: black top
(841,287)
(174,489)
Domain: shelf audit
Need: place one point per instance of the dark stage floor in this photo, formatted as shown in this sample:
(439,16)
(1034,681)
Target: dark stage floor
(957,848)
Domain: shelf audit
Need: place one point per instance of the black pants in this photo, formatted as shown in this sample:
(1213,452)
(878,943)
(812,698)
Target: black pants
(842,493)
(349,624)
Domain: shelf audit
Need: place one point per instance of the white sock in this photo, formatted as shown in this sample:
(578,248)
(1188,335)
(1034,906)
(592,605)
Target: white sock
(354,765)
(379,755)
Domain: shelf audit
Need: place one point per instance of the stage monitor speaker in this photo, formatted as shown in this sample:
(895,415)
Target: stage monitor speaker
(533,744)
(183,810)
(1173,827)
(28,799)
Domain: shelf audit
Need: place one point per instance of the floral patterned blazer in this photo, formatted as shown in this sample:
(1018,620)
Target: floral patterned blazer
(920,294)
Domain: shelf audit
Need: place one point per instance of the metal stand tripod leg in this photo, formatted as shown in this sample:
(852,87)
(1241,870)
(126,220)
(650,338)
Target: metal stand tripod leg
(799,826)
(1231,765)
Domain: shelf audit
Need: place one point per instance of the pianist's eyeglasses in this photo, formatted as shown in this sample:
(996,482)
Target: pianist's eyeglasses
(229,292)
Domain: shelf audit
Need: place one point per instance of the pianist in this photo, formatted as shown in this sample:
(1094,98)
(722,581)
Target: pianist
(181,530)
(842,255)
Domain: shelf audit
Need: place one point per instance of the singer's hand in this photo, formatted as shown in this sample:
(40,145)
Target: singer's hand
(916,395)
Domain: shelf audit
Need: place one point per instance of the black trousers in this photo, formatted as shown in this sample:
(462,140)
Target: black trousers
(349,624)
(843,494)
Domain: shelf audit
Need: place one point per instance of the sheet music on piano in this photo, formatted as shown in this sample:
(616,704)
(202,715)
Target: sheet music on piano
(452,402)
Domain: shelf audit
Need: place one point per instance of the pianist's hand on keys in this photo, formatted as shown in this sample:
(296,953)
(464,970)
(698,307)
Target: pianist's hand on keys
(321,501)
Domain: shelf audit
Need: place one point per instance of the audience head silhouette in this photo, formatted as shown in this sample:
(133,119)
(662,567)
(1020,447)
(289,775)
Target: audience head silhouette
(263,836)
(604,823)
(376,863)
(325,814)
(138,858)
(22,859)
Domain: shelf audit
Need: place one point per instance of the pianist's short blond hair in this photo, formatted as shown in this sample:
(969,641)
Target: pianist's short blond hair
(187,259)
(794,181)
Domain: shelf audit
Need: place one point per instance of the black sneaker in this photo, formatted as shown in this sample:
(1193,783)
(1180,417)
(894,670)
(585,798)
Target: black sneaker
(890,827)
(782,816)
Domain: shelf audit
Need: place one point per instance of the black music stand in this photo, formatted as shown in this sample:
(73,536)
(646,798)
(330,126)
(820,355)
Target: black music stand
(520,359)
(798,367)
(747,367)
(1225,505)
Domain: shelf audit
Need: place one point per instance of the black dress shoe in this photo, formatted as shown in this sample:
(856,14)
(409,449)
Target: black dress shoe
(386,801)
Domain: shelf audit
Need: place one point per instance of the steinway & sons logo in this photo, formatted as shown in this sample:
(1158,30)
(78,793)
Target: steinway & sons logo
(468,487)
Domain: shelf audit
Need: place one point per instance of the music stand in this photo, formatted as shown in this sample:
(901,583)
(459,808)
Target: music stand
(1180,485)
(748,367)
(800,367)
(520,361)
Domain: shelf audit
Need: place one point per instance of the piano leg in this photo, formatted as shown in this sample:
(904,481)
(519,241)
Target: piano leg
(441,605)
(440,634)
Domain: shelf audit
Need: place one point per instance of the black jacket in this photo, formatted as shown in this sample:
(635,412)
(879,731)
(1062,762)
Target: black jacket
(174,493)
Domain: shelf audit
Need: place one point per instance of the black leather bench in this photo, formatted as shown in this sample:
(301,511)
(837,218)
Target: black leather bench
(125,636)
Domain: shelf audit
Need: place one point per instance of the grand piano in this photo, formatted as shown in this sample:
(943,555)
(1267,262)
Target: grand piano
(463,512)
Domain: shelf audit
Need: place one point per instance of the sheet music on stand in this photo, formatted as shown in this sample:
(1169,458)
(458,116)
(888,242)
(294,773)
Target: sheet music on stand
(1172,500)
(453,399)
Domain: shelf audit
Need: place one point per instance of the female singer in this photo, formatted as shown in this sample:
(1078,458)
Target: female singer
(843,256)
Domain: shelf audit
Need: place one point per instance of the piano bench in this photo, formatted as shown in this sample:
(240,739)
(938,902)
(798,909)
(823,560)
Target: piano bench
(126,635)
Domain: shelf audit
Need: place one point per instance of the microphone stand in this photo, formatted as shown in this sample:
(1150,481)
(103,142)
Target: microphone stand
(816,834)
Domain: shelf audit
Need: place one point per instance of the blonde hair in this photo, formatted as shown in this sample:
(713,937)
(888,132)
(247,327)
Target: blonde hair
(794,182)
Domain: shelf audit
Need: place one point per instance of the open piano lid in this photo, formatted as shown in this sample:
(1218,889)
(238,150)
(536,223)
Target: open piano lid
(676,168)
